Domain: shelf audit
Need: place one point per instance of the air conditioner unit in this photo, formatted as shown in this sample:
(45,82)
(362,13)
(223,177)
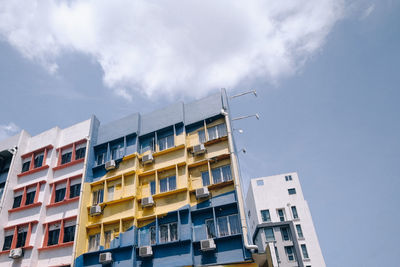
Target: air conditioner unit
(145,251)
(147,202)
(199,149)
(110,165)
(16,253)
(95,210)
(207,244)
(202,192)
(147,159)
(105,257)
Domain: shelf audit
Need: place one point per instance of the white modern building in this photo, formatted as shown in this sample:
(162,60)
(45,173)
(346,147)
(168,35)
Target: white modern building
(280,222)
(42,185)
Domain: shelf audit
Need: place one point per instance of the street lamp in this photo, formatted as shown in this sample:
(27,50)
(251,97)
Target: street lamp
(254,92)
(248,116)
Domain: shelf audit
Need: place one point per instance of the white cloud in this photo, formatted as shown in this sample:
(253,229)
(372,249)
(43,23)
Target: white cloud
(8,130)
(164,48)
(368,11)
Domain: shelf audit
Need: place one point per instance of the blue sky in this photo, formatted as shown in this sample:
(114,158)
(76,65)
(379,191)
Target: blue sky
(328,99)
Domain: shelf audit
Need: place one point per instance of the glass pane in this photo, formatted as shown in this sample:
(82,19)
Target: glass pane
(223,226)
(234,224)
(17,202)
(152,187)
(226,173)
(25,166)
(144,237)
(210,229)
(170,141)
(7,242)
(294,211)
(205,177)
(69,233)
(107,239)
(163,185)
(38,161)
(172,183)
(65,158)
(202,136)
(299,231)
(221,128)
(212,133)
(30,197)
(164,233)
(265,216)
(152,235)
(53,237)
(60,195)
(269,234)
(216,174)
(162,143)
(304,250)
(21,239)
(173,227)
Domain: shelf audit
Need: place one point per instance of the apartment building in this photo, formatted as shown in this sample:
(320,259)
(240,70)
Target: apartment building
(40,201)
(159,190)
(280,222)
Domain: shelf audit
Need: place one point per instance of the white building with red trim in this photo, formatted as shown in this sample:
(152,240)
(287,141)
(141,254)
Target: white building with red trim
(39,208)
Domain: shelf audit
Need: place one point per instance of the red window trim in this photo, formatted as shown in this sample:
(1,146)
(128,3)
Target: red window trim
(35,203)
(60,237)
(32,154)
(14,241)
(67,191)
(73,160)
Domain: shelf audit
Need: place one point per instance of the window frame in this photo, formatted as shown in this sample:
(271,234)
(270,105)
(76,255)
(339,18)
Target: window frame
(214,230)
(292,254)
(292,191)
(96,240)
(273,234)
(283,214)
(218,132)
(300,234)
(61,233)
(169,138)
(67,195)
(169,240)
(221,173)
(295,213)
(30,157)
(230,232)
(288,178)
(73,160)
(304,252)
(262,216)
(23,205)
(14,239)
(168,183)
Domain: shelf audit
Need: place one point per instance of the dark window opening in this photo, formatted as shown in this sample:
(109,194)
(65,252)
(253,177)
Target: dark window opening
(60,195)
(30,197)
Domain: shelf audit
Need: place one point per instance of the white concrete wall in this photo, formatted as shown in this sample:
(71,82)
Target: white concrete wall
(58,138)
(274,195)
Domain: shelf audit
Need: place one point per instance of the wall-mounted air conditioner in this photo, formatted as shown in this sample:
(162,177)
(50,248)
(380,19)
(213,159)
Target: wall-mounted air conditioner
(207,244)
(16,253)
(199,149)
(202,192)
(95,210)
(147,202)
(145,251)
(147,159)
(105,257)
(110,165)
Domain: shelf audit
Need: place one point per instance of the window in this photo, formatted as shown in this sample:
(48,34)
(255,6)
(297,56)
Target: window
(60,195)
(285,231)
(26,196)
(260,182)
(8,240)
(277,255)
(98,196)
(217,131)
(66,157)
(69,231)
(34,160)
(294,212)
(166,142)
(22,235)
(266,217)
(221,174)
(110,193)
(205,177)
(147,144)
(299,231)
(94,242)
(202,136)
(74,190)
(288,178)
(290,253)
(210,228)
(26,165)
(117,152)
(152,187)
(168,232)
(248,214)
(228,225)
(17,201)
(53,235)
(304,251)
(71,153)
(281,215)
(38,160)
(101,158)
(269,234)
(292,191)
(80,152)
(168,184)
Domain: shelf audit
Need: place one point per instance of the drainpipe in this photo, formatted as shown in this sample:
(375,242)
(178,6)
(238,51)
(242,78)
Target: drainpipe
(238,189)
